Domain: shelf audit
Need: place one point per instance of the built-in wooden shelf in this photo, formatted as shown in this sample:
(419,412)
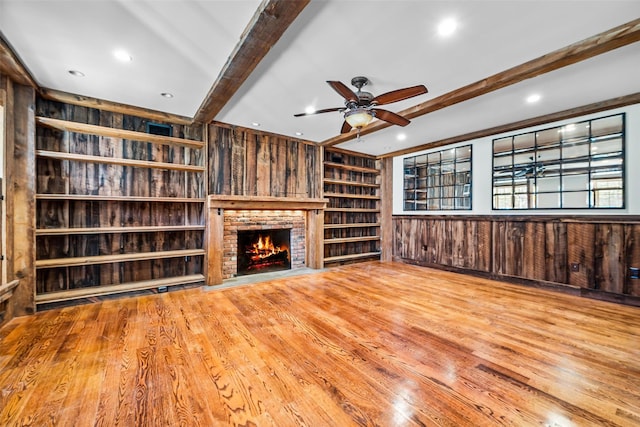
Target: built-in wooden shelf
(354,210)
(117,161)
(95,291)
(107,259)
(99,198)
(351,257)
(350,183)
(6,290)
(352,196)
(351,167)
(109,230)
(351,239)
(353,225)
(116,133)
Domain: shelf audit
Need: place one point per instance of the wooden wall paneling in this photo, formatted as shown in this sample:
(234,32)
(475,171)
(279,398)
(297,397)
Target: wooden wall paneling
(238,162)
(556,267)
(632,257)
(581,251)
(251,158)
(21,184)
(534,249)
(215,229)
(483,245)
(609,268)
(263,169)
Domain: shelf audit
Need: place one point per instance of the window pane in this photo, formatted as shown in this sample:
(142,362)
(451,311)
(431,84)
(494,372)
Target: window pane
(566,166)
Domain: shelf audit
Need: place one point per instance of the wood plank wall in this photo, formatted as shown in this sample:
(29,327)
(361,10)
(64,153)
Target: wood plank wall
(19,151)
(540,249)
(245,162)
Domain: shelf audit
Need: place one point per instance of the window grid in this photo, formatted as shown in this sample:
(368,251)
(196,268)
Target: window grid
(438,180)
(564,167)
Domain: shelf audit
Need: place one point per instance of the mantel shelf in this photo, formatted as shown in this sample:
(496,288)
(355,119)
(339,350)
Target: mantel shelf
(116,133)
(216,201)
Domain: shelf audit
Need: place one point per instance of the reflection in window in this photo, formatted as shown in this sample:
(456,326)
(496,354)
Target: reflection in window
(438,181)
(575,166)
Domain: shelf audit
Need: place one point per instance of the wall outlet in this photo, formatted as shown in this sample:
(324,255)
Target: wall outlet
(162,289)
(575,266)
(634,273)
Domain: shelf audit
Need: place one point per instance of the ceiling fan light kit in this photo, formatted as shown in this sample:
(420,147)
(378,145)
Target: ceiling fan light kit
(359,109)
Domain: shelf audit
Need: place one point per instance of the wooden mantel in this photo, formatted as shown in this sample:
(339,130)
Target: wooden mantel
(314,209)
(264,202)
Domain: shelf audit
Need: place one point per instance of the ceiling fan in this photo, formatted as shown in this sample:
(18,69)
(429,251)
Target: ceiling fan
(360,106)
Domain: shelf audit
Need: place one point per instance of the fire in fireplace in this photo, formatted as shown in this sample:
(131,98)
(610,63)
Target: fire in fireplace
(261,251)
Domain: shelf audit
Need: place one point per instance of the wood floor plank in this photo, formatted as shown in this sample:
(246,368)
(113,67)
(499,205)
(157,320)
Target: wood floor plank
(377,343)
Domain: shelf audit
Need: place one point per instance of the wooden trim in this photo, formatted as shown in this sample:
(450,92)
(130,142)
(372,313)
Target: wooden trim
(351,167)
(352,153)
(351,257)
(100,104)
(68,126)
(216,201)
(352,225)
(386,208)
(117,161)
(606,41)
(98,198)
(109,230)
(116,289)
(107,259)
(561,218)
(522,124)
(268,24)
(12,66)
(350,183)
(351,240)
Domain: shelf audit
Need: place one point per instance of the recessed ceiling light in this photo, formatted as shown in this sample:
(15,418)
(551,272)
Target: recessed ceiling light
(256,124)
(167,94)
(76,73)
(122,55)
(401,136)
(310,109)
(447,26)
(299,133)
(533,98)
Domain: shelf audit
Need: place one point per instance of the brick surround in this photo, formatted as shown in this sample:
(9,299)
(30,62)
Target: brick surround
(235,220)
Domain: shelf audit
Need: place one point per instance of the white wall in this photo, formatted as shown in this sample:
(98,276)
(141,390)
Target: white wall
(482,173)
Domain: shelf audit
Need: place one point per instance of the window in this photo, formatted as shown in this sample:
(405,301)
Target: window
(575,166)
(438,181)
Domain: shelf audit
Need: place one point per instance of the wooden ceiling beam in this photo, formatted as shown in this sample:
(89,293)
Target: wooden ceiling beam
(522,124)
(11,66)
(601,43)
(268,24)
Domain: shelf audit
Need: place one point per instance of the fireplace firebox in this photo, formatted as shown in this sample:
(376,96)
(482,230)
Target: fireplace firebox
(262,251)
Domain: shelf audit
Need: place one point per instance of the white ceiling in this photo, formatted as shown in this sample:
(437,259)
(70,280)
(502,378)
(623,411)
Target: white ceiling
(181,46)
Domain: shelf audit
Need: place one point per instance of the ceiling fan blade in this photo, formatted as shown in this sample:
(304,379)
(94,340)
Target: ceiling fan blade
(399,95)
(343,90)
(346,127)
(326,110)
(390,117)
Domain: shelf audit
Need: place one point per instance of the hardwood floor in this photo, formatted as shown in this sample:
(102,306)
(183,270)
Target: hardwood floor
(371,344)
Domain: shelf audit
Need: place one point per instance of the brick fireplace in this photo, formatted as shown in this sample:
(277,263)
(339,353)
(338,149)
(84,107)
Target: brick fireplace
(230,214)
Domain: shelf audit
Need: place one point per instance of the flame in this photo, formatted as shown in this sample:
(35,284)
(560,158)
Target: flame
(264,247)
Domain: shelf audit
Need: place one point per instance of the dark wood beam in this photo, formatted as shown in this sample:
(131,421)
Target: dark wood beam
(535,121)
(11,66)
(270,21)
(588,48)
